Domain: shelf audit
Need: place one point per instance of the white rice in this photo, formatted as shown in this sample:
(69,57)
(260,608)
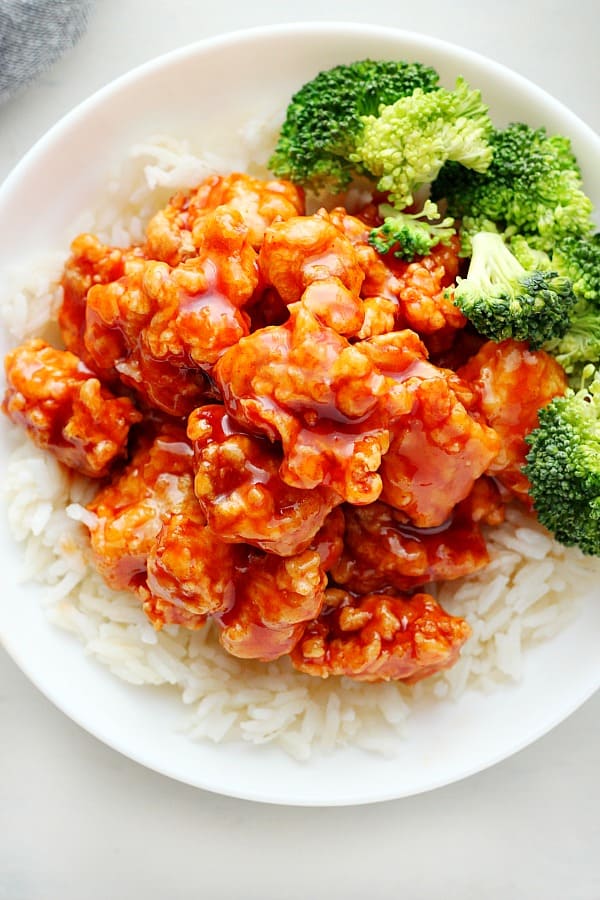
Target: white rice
(527,594)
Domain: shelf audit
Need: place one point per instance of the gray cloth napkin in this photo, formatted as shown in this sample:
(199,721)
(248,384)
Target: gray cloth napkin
(33,35)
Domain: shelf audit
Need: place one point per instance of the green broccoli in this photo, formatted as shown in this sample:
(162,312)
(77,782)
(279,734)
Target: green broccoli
(580,344)
(406,144)
(412,234)
(563,466)
(529,256)
(575,256)
(503,299)
(324,118)
(532,187)
(578,258)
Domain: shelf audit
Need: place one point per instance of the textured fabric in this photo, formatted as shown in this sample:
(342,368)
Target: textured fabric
(33,35)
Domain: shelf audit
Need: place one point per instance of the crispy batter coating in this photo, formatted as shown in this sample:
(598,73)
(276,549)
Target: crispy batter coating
(381,637)
(163,328)
(380,288)
(425,293)
(162,612)
(512,383)
(303,384)
(383,551)
(275,598)
(435,457)
(241,493)
(65,409)
(190,568)
(378,291)
(150,537)
(132,508)
(91,262)
(308,258)
(440,448)
(304,249)
(175,232)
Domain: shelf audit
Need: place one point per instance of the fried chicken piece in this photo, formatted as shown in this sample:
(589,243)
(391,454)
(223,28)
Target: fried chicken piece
(64,408)
(415,294)
(149,536)
(190,568)
(117,317)
(425,294)
(308,257)
(440,448)
(91,262)
(511,383)
(175,232)
(304,249)
(380,280)
(169,234)
(275,598)
(437,455)
(381,637)
(161,612)
(334,306)
(303,384)
(131,510)
(382,551)
(380,287)
(241,493)
(163,328)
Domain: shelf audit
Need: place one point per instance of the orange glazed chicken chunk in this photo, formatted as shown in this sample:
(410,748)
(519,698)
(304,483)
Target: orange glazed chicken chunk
(148,535)
(380,637)
(91,262)
(440,447)
(239,488)
(308,258)
(382,550)
(275,598)
(305,385)
(163,328)
(64,408)
(175,232)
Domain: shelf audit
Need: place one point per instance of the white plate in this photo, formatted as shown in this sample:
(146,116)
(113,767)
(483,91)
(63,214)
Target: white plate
(209,89)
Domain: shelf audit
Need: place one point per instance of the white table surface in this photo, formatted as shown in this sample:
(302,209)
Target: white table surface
(80,822)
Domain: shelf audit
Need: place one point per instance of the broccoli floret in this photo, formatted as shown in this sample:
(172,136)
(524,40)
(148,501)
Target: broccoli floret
(575,256)
(503,299)
(579,259)
(529,256)
(563,467)
(324,118)
(533,186)
(580,344)
(406,144)
(411,234)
